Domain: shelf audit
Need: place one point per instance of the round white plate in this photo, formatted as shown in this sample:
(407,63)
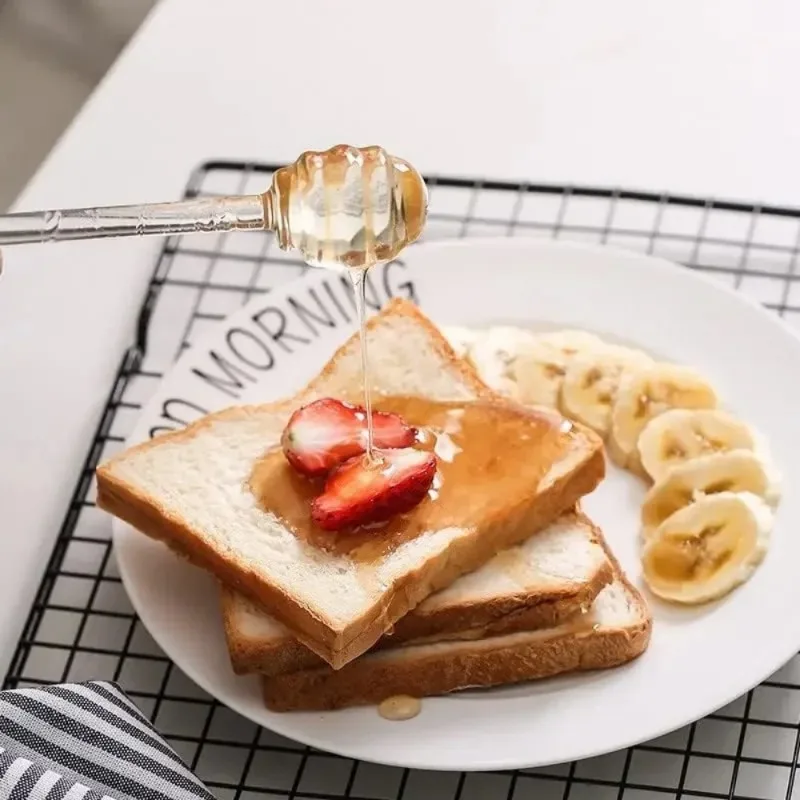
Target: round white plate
(698,660)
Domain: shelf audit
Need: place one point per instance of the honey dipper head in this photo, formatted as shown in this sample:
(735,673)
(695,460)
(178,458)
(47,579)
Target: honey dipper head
(347,206)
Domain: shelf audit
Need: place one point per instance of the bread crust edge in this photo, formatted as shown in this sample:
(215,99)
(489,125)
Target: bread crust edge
(471,620)
(364,683)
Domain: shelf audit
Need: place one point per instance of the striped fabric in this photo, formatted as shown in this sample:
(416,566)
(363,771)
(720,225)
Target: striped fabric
(86,741)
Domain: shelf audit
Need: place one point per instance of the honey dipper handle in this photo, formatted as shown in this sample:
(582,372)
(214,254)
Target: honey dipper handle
(209,215)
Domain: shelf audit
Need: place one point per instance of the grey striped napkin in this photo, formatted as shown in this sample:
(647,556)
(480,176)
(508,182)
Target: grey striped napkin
(86,741)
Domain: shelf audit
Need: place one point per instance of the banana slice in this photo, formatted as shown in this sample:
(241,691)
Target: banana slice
(591,381)
(708,548)
(540,367)
(571,342)
(526,366)
(644,394)
(681,434)
(538,372)
(493,354)
(734,471)
(461,339)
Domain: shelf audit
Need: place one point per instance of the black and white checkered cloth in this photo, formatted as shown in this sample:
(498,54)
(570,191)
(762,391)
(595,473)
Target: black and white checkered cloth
(86,741)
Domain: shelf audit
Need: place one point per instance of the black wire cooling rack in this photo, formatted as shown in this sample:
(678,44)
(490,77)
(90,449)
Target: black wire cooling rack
(82,626)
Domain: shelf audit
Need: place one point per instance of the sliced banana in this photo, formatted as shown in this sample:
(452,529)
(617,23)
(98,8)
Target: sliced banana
(570,342)
(734,471)
(461,339)
(591,381)
(708,548)
(538,372)
(540,368)
(493,354)
(681,434)
(644,394)
(526,366)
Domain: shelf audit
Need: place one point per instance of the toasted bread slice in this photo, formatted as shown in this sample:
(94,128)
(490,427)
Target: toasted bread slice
(540,583)
(614,631)
(190,489)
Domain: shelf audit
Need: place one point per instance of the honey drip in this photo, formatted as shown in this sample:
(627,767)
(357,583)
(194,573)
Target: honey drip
(399,707)
(358,277)
(349,209)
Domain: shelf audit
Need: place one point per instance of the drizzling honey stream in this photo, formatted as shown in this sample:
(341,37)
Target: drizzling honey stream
(348,209)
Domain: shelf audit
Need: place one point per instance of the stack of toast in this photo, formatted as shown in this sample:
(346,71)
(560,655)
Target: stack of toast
(514,584)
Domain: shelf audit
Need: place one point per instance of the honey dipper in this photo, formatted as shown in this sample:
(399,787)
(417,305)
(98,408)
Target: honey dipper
(346,206)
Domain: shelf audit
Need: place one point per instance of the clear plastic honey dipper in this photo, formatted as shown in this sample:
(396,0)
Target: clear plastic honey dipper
(346,206)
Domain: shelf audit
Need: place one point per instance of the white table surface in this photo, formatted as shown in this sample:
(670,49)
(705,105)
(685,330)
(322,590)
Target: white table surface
(679,95)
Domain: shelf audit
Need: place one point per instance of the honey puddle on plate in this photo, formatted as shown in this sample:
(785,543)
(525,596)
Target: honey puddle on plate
(399,707)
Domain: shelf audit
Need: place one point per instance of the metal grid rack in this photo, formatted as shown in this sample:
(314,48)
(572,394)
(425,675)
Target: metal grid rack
(82,625)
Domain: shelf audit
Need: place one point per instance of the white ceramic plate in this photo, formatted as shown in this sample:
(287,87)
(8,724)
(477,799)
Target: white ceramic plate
(698,660)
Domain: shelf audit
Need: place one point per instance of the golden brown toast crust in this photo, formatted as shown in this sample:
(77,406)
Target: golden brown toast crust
(366,681)
(339,646)
(320,690)
(544,608)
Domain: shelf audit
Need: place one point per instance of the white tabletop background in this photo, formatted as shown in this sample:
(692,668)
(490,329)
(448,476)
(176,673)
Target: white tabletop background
(693,96)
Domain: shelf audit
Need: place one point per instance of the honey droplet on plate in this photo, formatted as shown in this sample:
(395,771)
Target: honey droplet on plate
(400,707)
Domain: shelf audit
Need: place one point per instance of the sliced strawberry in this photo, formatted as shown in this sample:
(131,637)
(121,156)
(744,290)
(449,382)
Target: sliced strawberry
(389,431)
(327,432)
(359,492)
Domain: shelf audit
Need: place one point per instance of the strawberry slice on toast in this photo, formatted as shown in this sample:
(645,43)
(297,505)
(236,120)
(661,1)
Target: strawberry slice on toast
(360,492)
(326,433)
